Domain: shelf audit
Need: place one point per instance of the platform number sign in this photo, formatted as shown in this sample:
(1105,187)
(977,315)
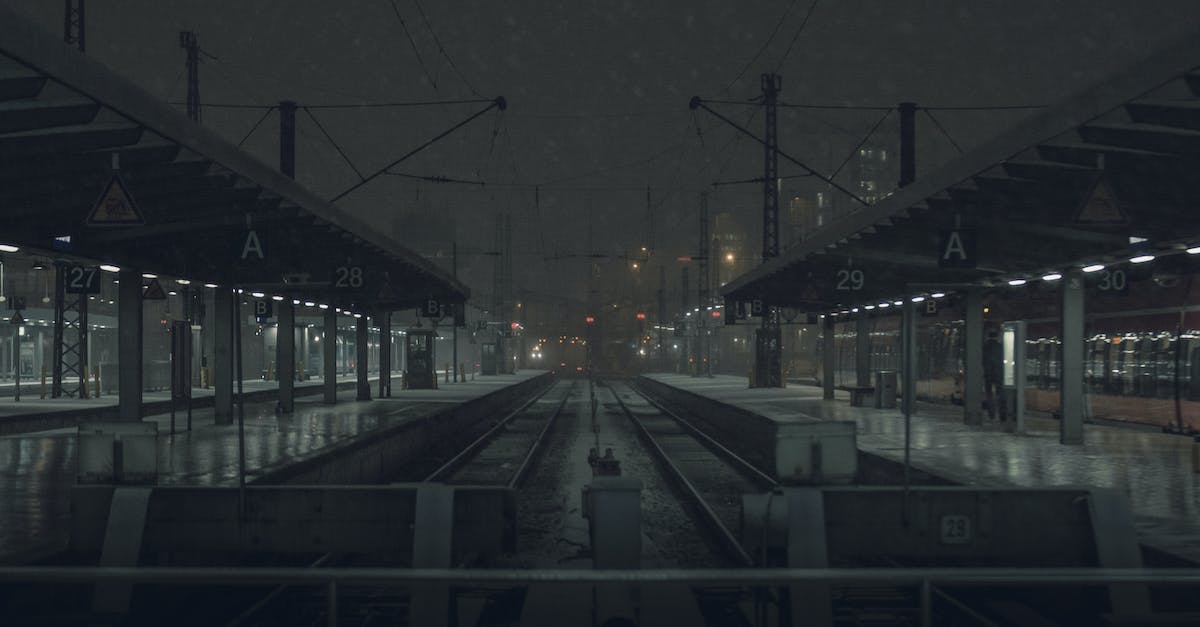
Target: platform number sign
(850,280)
(1112,281)
(82,280)
(348,277)
(955,529)
(263,310)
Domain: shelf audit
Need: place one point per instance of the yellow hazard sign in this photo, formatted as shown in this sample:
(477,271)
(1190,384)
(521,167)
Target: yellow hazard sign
(115,207)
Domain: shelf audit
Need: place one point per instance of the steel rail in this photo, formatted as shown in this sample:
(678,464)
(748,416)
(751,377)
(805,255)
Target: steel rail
(519,477)
(472,449)
(748,469)
(724,536)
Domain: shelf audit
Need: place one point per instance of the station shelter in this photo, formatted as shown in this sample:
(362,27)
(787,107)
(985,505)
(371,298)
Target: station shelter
(1072,236)
(125,226)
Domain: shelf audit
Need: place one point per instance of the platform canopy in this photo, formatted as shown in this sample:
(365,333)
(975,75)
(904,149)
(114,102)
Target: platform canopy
(189,203)
(1068,187)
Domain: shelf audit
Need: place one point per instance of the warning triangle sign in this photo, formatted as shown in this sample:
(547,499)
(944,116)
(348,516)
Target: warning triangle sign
(154,291)
(1100,207)
(115,207)
(17,318)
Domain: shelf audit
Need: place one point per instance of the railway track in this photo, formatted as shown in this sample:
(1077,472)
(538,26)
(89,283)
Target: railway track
(710,477)
(501,456)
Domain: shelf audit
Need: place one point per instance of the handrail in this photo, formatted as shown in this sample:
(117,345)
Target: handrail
(946,577)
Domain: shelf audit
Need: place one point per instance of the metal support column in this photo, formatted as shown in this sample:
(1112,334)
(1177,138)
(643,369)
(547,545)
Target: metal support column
(703,283)
(827,357)
(362,356)
(70,337)
(285,355)
(129,349)
(385,354)
(862,350)
(329,344)
(973,359)
(222,362)
(908,365)
(1071,379)
(1019,375)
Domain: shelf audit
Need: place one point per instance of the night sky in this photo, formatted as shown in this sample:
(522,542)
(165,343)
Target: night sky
(598,95)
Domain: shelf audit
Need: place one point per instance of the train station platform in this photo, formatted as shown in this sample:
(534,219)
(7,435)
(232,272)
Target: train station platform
(38,470)
(33,413)
(1153,469)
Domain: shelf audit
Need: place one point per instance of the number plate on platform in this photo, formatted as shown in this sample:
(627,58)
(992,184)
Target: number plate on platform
(956,529)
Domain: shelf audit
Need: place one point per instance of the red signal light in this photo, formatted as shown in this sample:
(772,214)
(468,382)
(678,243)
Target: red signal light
(591,319)
(716,313)
(641,316)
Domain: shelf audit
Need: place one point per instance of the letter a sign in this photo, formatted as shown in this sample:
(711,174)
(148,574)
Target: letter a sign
(252,248)
(957,248)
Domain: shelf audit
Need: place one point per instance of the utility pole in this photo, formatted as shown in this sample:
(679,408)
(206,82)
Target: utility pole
(74,25)
(649,222)
(191,45)
(662,316)
(702,282)
(685,304)
(908,142)
(768,349)
(771,84)
(454,273)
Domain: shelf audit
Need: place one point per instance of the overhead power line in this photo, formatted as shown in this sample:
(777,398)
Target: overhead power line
(336,147)
(796,37)
(442,49)
(860,144)
(255,127)
(342,105)
(762,48)
(413,44)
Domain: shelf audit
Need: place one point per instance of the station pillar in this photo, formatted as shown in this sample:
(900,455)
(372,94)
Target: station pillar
(1071,379)
(330,355)
(129,348)
(385,354)
(862,350)
(285,355)
(222,364)
(361,358)
(972,390)
(827,357)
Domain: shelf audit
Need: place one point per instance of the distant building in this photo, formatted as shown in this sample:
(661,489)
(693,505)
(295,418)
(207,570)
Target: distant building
(732,251)
(874,174)
(806,212)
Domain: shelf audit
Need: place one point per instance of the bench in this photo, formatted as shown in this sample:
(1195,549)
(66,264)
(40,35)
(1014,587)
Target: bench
(859,394)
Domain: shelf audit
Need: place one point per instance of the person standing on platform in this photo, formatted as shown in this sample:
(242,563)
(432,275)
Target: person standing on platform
(993,373)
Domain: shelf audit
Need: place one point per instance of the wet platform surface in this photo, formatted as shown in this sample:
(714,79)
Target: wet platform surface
(1153,469)
(38,469)
(31,404)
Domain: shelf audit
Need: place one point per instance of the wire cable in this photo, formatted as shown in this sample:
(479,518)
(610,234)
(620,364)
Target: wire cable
(796,37)
(341,152)
(442,49)
(865,139)
(762,48)
(255,127)
(944,132)
(413,44)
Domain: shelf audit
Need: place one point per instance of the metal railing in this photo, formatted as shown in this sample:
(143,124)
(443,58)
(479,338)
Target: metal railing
(923,579)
